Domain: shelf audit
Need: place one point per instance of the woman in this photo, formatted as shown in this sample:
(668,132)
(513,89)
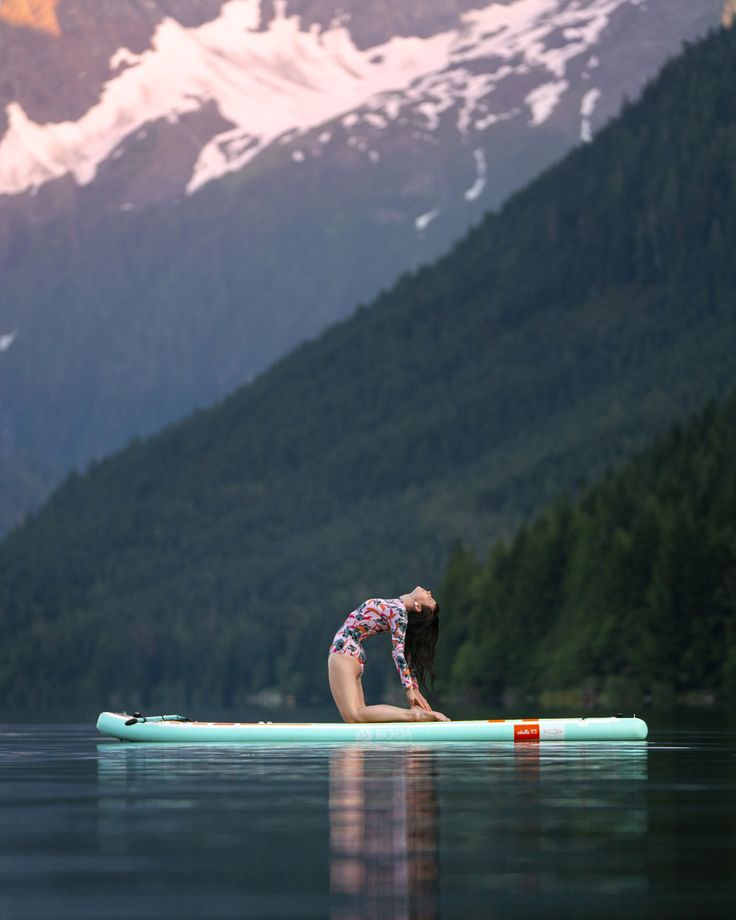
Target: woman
(413,621)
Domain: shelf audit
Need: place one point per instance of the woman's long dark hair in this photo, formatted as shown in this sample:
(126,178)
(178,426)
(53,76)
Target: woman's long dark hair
(421,641)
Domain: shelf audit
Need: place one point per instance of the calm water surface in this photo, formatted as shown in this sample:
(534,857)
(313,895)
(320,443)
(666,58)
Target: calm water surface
(97,829)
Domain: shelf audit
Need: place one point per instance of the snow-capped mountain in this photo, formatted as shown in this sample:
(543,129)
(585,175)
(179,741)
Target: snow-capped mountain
(274,81)
(315,148)
(252,73)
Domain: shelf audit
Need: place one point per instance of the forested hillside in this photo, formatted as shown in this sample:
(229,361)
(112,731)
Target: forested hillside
(557,339)
(627,594)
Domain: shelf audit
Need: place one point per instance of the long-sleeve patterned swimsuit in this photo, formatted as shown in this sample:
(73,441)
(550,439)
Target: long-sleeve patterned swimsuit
(373,616)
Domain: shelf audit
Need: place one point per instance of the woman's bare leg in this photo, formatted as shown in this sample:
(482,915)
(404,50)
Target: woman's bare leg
(347,690)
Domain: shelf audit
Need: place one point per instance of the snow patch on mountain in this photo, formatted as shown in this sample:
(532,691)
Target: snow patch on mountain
(544,99)
(486,121)
(7,340)
(587,106)
(289,80)
(480,180)
(424,220)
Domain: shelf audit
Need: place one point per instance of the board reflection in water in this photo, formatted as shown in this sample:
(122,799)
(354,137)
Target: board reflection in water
(384,830)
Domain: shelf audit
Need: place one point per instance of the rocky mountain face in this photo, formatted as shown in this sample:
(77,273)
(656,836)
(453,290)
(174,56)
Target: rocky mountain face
(189,188)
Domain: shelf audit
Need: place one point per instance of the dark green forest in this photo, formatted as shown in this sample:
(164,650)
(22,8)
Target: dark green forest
(558,339)
(627,594)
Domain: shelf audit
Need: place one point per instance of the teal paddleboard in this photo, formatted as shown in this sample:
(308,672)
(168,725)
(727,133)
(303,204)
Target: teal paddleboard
(179,730)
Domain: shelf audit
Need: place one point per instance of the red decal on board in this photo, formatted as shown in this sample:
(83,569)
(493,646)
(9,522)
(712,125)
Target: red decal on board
(526,731)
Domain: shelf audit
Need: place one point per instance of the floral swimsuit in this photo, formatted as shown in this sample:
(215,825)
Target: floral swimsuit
(374,616)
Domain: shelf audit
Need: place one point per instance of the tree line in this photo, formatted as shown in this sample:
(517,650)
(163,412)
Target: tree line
(625,594)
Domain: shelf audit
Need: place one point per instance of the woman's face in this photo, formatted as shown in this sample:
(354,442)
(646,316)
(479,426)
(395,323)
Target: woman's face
(424,597)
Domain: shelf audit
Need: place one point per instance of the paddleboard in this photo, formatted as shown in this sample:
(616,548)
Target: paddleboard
(180,730)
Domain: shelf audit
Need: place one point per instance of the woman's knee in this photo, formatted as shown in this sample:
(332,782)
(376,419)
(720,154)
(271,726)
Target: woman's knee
(353,714)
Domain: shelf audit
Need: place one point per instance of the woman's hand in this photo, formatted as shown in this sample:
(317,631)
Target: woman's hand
(415,698)
(440,716)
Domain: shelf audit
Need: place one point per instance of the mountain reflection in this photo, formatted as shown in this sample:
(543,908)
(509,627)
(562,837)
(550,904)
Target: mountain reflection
(383,835)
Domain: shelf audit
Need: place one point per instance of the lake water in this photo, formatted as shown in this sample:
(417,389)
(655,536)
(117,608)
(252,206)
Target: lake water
(97,829)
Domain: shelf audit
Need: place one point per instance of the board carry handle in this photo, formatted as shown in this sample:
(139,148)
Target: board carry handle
(137,717)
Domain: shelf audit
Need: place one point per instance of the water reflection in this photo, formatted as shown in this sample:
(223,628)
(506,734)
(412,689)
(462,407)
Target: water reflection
(389,832)
(384,835)
(525,820)
(549,820)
